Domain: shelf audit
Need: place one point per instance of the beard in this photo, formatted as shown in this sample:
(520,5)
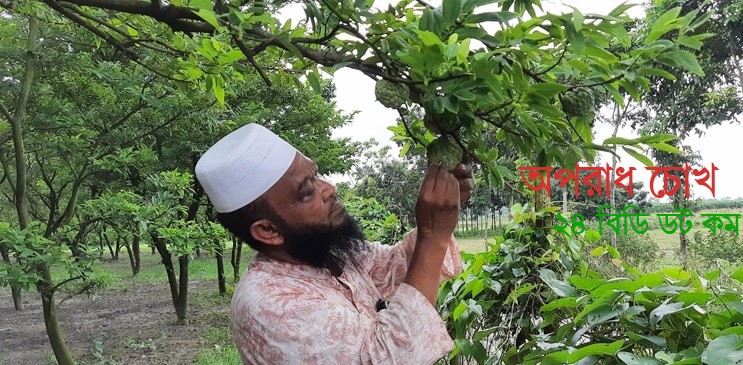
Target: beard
(323,245)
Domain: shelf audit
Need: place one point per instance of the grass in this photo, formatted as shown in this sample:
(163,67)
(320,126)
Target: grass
(222,349)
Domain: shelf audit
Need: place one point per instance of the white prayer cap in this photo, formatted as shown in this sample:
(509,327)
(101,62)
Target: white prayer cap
(242,166)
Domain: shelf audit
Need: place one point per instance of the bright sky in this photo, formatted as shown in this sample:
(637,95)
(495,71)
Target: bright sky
(721,145)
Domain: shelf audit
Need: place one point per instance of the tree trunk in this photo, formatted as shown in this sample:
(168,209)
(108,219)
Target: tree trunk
(15,292)
(135,252)
(222,283)
(16,132)
(237,248)
(167,260)
(108,244)
(181,308)
(131,258)
(564,200)
(119,243)
(53,331)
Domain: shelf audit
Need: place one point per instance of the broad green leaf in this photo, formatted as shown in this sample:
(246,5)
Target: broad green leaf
(682,58)
(560,287)
(632,359)
(568,302)
(738,275)
(451,10)
(663,310)
(575,38)
(230,56)
(592,235)
(209,16)
(724,350)
(610,349)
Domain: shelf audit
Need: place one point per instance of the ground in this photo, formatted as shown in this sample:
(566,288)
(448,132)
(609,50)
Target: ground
(132,322)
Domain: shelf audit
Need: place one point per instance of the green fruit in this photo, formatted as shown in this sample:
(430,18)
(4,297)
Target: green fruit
(577,102)
(390,94)
(442,123)
(444,151)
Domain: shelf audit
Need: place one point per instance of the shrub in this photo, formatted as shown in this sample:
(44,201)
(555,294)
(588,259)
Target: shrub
(534,299)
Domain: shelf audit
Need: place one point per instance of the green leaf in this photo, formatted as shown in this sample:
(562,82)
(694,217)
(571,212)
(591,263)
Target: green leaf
(665,147)
(724,350)
(738,275)
(218,90)
(451,10)
(201,4)
(632,359)
(575,38)
(561,288)
(683,59)
(429,38)
(645,71)
(498,16)
(592,235)
(663,310)
(230,56)
(610,349)
(209,16)
(663,24)
(638,156)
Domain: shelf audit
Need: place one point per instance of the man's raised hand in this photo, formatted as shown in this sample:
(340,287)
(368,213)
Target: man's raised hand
(437,209)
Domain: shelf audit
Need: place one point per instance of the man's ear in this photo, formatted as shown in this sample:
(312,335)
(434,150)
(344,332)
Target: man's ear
(265,231)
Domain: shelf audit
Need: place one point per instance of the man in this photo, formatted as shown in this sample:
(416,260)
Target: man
(316,292)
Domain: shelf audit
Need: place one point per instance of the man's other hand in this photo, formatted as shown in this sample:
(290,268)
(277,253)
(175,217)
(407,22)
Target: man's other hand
(463,173)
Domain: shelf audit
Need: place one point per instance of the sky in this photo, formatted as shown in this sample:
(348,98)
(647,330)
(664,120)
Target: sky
(720,145)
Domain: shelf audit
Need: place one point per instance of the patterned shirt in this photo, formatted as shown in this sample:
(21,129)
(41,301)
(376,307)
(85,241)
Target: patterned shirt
(284,313)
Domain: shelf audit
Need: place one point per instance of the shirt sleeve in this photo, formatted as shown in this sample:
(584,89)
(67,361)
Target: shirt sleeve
(311,329)
(388,265)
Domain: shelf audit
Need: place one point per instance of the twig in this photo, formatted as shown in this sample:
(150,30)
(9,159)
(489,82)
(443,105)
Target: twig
(407,128)
(424,3)
(559,59)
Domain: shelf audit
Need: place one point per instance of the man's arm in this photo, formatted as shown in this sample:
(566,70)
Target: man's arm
(389,265)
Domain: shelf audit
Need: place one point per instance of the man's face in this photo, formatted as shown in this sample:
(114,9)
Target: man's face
(314,225)
(301,197)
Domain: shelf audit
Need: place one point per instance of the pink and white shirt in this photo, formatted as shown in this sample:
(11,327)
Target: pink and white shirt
(285,313)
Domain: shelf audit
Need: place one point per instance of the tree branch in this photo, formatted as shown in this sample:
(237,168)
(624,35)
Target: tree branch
(249,55)
(178,18)
(6,113)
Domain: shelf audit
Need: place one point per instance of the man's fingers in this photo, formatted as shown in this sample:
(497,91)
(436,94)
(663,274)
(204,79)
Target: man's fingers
(466,184)
(462,171)
(429,182)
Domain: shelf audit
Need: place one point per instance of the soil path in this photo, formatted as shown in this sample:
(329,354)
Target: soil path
(135,325)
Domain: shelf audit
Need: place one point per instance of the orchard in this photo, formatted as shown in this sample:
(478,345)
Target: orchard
(106,105)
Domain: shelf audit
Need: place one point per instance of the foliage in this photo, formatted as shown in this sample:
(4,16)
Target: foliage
(378,223)
(637,250)
(393,182)
(723,245)
(533,299)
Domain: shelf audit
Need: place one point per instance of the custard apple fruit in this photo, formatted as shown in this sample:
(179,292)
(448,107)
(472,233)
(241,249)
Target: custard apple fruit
(577,102)
(444,151)
(390,94)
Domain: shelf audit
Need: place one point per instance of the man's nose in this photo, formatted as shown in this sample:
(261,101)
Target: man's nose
(328,189)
